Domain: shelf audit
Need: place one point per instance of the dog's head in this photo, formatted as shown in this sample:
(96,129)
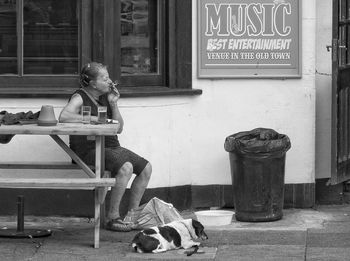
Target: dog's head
(195,228)
(199,229)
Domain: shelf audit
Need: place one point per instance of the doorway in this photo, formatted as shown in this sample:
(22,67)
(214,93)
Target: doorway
(340,165)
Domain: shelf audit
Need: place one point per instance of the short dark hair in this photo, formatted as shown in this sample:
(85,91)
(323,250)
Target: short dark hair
(90,72)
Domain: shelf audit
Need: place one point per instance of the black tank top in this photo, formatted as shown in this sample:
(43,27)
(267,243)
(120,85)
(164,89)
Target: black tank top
(82,144)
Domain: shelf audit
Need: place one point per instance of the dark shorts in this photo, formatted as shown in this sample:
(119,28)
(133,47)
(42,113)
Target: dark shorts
(116,157)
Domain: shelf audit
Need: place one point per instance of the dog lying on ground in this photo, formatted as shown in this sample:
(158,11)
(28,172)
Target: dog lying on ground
(174,235)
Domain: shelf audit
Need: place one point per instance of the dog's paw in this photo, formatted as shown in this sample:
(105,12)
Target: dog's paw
(191,244)
(192,250)
(159,250)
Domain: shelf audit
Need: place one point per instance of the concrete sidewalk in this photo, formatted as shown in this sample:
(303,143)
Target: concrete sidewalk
(313,234)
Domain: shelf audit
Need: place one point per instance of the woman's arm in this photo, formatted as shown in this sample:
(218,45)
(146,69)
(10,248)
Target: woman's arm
(113,98)
(117,115)
(71,112)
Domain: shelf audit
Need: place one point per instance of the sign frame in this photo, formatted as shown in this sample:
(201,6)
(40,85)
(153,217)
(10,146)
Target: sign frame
(250,70)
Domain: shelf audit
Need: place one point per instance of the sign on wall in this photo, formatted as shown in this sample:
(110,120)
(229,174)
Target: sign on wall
(249,38)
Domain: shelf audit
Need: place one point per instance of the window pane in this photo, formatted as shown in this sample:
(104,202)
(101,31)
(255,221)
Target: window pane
(8,37)
(50,42)
(139,38)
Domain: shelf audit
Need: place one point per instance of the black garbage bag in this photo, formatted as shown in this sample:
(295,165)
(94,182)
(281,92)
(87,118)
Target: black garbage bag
(257,142)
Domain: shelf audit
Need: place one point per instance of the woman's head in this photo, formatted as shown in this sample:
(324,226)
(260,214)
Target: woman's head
(96,75)
(90,71)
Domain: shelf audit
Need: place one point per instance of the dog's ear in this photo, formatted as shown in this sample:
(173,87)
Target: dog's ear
(197,224)
(199,229)
(189,225)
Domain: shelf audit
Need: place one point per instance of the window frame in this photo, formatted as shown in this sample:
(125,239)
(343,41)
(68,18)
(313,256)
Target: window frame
(177,47)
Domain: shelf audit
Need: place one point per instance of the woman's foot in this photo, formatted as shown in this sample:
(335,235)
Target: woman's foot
(117,224)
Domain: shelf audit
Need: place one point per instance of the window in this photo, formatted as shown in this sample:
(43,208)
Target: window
(142,42)
(50,37)
(40,45)
(135,36)
(8,42)
(145,43)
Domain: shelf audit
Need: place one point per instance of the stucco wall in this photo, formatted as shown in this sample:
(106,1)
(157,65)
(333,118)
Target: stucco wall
(287,106)
(183,137)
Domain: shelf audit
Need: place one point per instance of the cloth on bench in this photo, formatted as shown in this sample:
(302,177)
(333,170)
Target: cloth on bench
(8,118)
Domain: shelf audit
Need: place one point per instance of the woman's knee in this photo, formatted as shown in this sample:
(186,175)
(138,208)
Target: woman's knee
(126,169)
(147,171)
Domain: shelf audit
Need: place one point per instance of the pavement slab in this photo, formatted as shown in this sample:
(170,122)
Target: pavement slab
(335,212)
(107,251)
(328,239)
(209,253)
(261,252)
(293,219)
(302,234)
(258,237)
(17,250)
(327,254)
(333,227)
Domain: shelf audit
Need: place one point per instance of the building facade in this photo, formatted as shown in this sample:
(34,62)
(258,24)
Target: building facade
(173,117)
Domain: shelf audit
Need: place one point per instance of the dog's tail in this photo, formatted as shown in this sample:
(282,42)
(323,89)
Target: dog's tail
(136,242)
(136,247)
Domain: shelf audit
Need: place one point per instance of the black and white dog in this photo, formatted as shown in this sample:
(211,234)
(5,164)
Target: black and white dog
(174,235)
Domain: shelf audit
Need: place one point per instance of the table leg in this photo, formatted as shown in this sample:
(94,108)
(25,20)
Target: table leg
(103,190)
(99,169)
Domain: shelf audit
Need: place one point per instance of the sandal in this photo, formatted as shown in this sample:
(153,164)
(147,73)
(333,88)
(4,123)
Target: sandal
(117,224)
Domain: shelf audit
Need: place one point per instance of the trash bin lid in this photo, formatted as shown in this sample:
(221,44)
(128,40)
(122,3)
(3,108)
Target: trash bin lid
(257,141)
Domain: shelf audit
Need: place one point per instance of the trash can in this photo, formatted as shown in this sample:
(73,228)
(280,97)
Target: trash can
(257,161)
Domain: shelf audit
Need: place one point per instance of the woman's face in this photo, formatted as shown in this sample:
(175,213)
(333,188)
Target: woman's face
(103,82)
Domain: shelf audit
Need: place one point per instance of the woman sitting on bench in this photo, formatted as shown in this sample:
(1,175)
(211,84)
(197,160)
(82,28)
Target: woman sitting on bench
(96,90)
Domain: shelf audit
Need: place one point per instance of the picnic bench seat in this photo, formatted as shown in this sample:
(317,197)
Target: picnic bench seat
(56,183)
(52,182)
(101,185)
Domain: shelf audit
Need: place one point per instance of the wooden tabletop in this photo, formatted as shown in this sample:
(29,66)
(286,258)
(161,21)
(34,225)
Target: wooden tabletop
(61,129)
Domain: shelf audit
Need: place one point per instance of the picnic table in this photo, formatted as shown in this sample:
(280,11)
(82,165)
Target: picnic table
(95,176)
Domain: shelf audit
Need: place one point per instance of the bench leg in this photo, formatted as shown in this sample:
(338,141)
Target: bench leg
(97,220)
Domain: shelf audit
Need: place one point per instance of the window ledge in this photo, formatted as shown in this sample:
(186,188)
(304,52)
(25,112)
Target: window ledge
(125,92)
(157,91)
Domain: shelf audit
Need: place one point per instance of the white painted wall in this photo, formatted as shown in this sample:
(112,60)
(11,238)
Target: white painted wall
(323,89)
(183,137)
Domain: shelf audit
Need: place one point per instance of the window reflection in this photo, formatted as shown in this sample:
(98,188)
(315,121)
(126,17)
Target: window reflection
(50,37)
(139,43)
(51,33)
(8,37)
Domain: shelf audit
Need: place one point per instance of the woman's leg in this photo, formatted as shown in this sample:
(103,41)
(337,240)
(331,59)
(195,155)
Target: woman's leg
(138,186)
(122,178)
